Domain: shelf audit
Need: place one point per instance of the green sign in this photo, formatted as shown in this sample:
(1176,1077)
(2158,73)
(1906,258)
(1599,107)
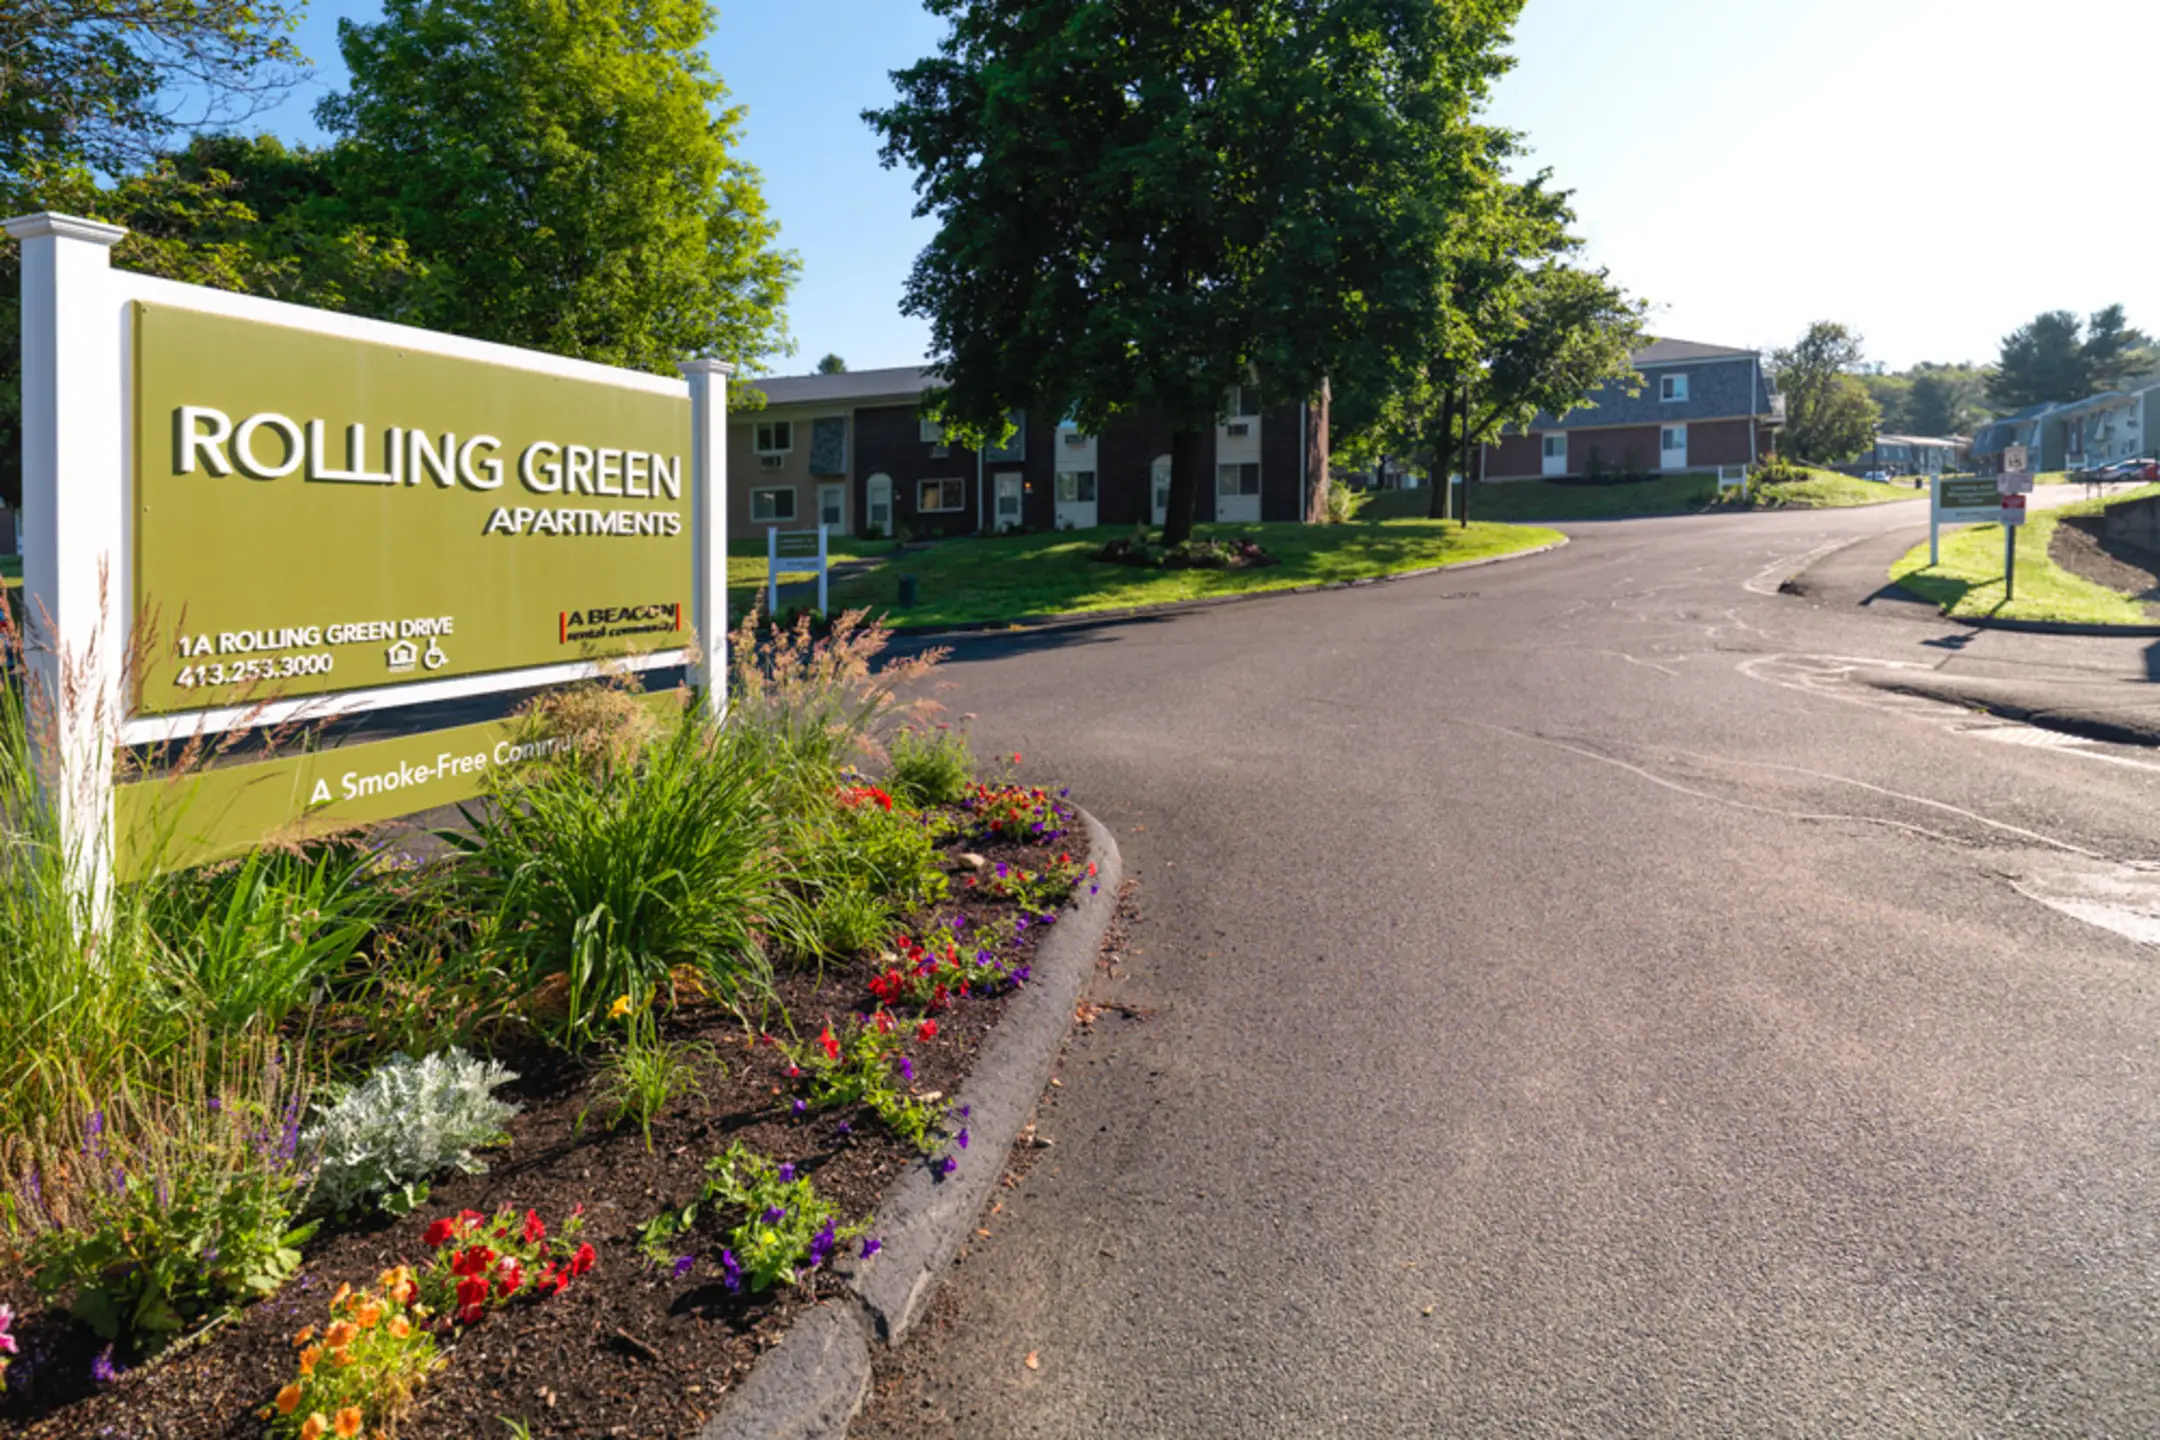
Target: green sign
(207,815)
(315,513)
(1968,497)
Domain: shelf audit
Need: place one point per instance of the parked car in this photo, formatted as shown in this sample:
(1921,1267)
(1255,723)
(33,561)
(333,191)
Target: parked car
(1880,477)
(2146,469)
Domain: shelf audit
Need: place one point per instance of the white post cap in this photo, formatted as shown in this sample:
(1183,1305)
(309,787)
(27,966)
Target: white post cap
(706,365)
(65,227)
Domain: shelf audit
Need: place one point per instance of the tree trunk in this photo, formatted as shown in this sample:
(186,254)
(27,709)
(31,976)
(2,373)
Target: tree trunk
(1439,448)
(1316,457)
(1466,460)
(1185,464)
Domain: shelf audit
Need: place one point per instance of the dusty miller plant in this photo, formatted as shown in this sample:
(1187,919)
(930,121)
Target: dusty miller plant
(409,1121)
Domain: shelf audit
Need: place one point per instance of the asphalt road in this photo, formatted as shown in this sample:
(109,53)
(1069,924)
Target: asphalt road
(1566,999)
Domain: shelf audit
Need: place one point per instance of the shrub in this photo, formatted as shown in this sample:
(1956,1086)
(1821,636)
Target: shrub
(930,765)
(155,1213)
(1777,470)
(785,1228)
(363,1367)
(408,1122)
(859,1070)
(598,883)
(1235,554)
(1344,502)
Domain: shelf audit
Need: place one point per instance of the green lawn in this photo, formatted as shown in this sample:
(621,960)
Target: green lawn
(1010,577)
(1517,501)
(1969,582)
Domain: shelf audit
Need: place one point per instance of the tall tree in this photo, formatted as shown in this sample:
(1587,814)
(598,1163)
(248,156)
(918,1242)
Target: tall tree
(832,365)
(1892,394)
(1511,330)
(1828,415)
(1144,204)
(565,169)
(1946,400)
(2058,357)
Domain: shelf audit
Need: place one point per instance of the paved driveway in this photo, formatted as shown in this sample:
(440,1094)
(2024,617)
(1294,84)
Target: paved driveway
(1567,1001)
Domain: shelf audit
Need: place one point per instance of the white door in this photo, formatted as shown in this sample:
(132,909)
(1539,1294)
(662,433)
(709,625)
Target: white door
(1237,494)
(1076,509)
(832,507)
(1159,487)
(1555,454)
(1008,502)
(879,503)
(1672,447)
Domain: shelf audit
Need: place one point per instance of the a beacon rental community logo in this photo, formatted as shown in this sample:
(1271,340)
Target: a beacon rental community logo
(610,622)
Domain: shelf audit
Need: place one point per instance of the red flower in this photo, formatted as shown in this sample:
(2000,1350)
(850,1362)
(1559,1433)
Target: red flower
(883,1022)
(551,1282)
(474,1261)
(535,1228)
(470,1217)
(440,1233)
(830,1045)
(509,1278)
(582,1261)
(927,1030)
(470,1314)
(472,1293)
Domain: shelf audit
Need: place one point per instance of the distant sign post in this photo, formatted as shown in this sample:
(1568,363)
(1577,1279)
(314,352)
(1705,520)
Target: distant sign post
(1960,502)
(2014,486)
(802,551)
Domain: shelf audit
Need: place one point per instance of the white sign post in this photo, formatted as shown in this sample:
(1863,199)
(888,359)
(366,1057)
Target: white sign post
(800,558)
(2014,486)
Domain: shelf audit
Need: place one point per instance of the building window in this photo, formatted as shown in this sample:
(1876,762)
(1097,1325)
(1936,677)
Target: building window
(1672,388)
(1673,437)
(1244,402)
(775,437)
(936,495)
(1556,447)
(1076,487)
(832,505)
(1237,480)
(774,506)
(932,432)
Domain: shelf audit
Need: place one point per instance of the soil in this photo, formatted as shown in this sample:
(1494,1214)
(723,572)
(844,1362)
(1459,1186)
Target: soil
(628,1350)
(2082,548)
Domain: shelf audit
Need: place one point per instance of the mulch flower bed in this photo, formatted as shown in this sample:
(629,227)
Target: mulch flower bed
(626,1345)
(1187,555)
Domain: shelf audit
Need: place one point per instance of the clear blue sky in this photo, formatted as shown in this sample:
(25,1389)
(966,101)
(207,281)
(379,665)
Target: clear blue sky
(1932,172)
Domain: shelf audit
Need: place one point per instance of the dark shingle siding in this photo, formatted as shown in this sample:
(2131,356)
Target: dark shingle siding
(1717,390)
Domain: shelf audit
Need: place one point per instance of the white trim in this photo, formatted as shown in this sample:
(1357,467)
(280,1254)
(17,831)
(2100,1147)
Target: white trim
(50,224)
(155,729)
(708,382)
(1667,383)
(151,290)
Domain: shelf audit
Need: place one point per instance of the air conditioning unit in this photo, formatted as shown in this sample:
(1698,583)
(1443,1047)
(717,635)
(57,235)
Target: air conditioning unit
(1237,428)
(1074,440)
(939,452)
(772,462)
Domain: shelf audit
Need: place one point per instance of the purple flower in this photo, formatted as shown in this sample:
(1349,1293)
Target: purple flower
(966,1110)
(1020,924)
(1065,792)
(1001,870)
(821,1245)
(907,1069)
(683,1265)
(1020,975)
(787,1174)
(730,1270)
(962,1137)
(802,1107)
(871,1246)
(775,1214)
(843,1128)
(7,1323)
(1092,889)
(948,1165)
(102,1370)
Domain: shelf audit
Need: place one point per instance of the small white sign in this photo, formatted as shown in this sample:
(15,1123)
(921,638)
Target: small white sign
(2016,457)
(2013,510)
(2014,483)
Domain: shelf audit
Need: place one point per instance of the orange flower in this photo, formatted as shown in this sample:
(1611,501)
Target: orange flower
(369,1315)
(349,1421)
(308,1357)
(315,1427)
(288,1399)
(339,1298)
(343,1333)
(304,1336)
(400,1327)
(341,1357)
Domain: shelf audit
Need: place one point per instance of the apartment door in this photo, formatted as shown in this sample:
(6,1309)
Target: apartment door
(1555,454)
(832,507)
(1009,489)
(879,503)
(1672,447)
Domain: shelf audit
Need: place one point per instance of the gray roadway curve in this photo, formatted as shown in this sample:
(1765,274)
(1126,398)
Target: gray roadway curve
(1569,1004)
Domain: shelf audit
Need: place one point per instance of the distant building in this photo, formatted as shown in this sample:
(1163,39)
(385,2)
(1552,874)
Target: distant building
(854,451)
(2024,427)
(1914,454)
(1699,407)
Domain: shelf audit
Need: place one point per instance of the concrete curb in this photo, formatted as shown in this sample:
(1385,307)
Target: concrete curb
(811,1384)
(1064,620)
(2052,627)
(2087,724)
